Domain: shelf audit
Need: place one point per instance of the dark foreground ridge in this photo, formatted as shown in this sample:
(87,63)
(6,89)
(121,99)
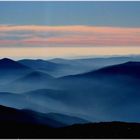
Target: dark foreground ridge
(93,130)
(23,124)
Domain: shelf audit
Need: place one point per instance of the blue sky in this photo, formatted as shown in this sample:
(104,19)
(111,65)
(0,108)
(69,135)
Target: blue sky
(120,14)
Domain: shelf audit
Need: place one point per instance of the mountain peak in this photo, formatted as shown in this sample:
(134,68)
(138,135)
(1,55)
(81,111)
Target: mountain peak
(6,59)
(7,63)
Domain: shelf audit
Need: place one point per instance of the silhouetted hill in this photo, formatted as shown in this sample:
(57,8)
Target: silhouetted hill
(85,131)
(27,116)
(10,70)
(102,130)
(8,64)
(128,68)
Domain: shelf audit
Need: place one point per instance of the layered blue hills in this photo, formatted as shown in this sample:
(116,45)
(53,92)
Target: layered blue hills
(31,117)
(10,70)
(73,91)
(59,67)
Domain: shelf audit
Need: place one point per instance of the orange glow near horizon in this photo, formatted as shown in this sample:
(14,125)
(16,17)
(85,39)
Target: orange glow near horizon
(69,52)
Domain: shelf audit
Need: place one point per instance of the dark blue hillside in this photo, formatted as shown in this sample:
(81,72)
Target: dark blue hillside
(9,64)
(131,69)
(27,116)
(11,70)
(32,117)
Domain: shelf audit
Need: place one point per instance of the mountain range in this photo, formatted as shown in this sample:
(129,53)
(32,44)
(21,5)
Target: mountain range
(63,92)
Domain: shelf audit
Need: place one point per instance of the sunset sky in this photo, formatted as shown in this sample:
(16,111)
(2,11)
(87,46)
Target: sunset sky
(69,29)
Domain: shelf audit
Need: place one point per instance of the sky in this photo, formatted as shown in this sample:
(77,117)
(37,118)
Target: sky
(69,29)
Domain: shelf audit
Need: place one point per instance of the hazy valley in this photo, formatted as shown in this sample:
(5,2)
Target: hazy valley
(59,93)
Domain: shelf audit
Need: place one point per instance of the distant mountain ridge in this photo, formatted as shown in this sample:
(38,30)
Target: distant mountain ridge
(73,91)
(59,67)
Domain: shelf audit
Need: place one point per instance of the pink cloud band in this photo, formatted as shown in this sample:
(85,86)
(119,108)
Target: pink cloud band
(71,35)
